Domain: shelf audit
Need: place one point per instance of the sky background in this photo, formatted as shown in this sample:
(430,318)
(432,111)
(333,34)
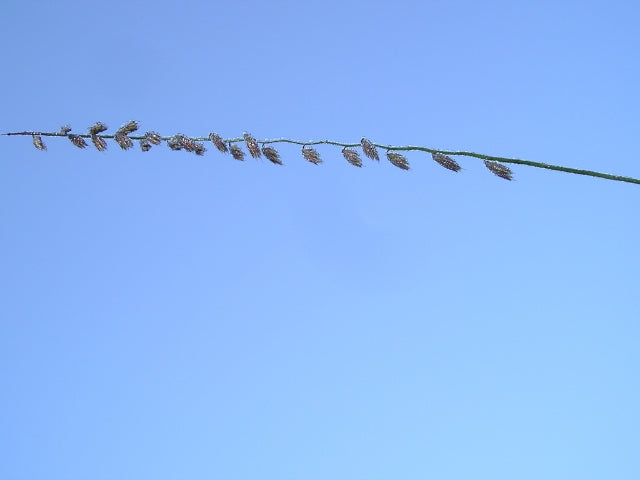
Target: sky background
(169,316)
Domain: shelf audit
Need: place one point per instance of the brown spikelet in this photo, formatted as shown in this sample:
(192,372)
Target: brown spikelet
(218,142)
(145,145)
(369,150)
(352,157)
(188,144)
(128,127)
(447,162)
(499,169)
(96,128)
(99,142)
(272,155)
(398,160)
(153,138)
(185,142)
(174,144)
(65,129)
(252,145)
(311,155)
(122,140)
(77,140)
(38,143)
(199,148)
(236,152)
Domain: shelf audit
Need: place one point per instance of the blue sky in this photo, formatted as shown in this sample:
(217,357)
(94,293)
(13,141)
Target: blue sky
(168,316)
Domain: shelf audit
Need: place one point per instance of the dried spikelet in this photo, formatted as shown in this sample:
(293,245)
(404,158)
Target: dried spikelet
(311,155)
(145,145)
(199,148)
(128,127)
(96,128)
(447,162)
(218,142)
(153,137)
(369,150)
(272,155)
(77,140)
(38,143)
(398,160)
(236,152)
(185,142)
(498,169)
(122,140)
(352,157)
(99,142)
(65,129)
(188,144)
(174,144)
(252,145)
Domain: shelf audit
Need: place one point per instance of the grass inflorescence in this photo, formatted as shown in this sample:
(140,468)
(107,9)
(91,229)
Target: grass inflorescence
(125,137)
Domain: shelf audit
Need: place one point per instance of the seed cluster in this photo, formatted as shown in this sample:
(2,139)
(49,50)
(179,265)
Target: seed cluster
(123,137)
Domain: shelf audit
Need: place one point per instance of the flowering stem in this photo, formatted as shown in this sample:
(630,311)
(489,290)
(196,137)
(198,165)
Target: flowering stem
(559,168)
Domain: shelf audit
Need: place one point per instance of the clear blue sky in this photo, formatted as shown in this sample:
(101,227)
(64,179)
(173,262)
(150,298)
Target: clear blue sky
(168,316)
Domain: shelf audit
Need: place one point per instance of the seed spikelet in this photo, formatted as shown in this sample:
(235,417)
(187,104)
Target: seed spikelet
(174,144)
(185,142)
(218,142)
(352,157)
(153,138)
(311,155)
(446,161)
(272,155)
(97,128)
(128,127)
(122,140)
(236,152)
(38,143)
(99,142)
(199,148)
(369,150)
(499,169)
(252,146)
(398,160)
(77,140)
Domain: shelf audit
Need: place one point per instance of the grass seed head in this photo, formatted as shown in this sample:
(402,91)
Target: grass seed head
(153,138)
(446,161)
(272,155)
(199,148)
(128,127)
(99,142)
(311,155)
(218,142)
(174,144)
(97,127)
(185,142)
(236,152)
(77,140)
(252,145)
(499,169)
(38,143)
(122,140)
(398,160)
(369,150)
(352,157)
